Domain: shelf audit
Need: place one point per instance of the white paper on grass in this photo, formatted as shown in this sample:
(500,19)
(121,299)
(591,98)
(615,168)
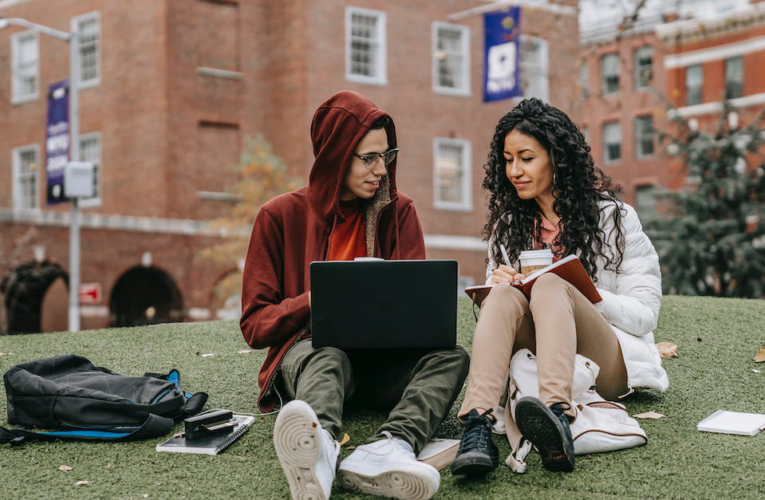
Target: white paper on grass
(733,422)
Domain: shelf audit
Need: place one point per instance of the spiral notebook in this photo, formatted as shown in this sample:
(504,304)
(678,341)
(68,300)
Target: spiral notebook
(209,445)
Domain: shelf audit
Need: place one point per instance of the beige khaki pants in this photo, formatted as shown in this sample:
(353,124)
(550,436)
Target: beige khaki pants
(556,324)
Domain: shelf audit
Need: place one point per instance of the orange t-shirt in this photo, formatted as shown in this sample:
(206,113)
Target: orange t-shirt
(547,237)
(348,240)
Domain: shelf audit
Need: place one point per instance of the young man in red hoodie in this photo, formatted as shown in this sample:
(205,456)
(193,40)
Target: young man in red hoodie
(350,208)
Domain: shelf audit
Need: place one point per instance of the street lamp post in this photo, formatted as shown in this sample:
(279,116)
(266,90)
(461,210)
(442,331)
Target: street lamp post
(74,155)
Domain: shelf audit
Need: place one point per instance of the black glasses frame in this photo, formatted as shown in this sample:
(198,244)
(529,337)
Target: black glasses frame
(371,159)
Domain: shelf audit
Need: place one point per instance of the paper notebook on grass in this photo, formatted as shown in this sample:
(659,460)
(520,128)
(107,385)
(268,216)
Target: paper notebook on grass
(733,422)
(208,445)
(569,268)
(439,452)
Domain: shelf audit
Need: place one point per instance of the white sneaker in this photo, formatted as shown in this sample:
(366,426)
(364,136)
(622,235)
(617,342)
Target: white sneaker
(389,468)
(307,452)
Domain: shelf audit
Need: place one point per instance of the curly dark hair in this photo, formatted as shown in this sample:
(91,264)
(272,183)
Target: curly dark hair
(578,186)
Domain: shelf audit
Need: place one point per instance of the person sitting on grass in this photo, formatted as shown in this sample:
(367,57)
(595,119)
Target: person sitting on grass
(545,190)
(350,208)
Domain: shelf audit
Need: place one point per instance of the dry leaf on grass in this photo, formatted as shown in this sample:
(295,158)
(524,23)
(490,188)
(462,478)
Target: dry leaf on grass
(208,355)
(65,468)
(667,349)
(81,483)
(649,414)
(109,466)
(244,351)
(145,495)
(4,353)
(345,439)
(760,356)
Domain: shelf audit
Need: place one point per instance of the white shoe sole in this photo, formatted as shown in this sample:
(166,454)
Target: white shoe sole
(406,482)
(297,442)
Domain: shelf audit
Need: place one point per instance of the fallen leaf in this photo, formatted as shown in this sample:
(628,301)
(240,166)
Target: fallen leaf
(589,457)
(755,371)
(667,349)
(208,355)
(109,466)
(649,414)
(345,439)
(760,356)
(351,448)
(244,351)
(81,483)
(4,353)
(65,468)
(145,495)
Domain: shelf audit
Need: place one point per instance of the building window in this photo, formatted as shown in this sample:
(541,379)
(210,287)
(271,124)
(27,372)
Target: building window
(25,175)
(90,151)
(452,179)
(612,142)
(365,46)
(694,81)
(645,200)
(88,28)
(609,69)
(534,67)
(734,77)
(644,136)
(643,67)
(25,57)
(451,59)
(583,80)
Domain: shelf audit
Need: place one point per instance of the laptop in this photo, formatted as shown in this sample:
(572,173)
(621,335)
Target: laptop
(384,304)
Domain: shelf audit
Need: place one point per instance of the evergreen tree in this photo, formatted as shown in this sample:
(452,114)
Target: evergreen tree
(710,235)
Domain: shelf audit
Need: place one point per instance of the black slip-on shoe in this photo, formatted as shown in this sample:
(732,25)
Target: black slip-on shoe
(477,453)
(548,430)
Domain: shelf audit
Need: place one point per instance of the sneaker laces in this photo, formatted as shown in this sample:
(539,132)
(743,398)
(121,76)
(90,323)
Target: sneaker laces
(402,445)
(477,431)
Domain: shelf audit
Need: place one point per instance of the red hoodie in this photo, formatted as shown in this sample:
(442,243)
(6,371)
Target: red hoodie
(293,229)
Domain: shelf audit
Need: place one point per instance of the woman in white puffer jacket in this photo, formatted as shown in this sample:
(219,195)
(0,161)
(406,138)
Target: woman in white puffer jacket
(547,193)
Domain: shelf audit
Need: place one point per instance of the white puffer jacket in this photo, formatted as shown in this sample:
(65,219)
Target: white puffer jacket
(631,298)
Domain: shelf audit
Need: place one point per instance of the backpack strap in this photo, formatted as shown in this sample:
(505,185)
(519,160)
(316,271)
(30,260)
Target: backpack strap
(154,426)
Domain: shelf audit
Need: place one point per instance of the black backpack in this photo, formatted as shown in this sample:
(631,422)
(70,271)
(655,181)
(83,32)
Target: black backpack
(71,398)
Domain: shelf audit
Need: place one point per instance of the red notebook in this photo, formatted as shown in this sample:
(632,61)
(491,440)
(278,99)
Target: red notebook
(569,268)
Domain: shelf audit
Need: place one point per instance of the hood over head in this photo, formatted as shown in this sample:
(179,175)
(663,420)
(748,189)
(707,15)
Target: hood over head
(337,127)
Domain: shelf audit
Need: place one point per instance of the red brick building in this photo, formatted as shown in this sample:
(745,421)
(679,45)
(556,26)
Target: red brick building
(174,90)
(636,76)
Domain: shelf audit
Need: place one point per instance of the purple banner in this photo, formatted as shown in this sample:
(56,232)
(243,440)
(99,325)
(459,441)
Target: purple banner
(501,75)
(57,140)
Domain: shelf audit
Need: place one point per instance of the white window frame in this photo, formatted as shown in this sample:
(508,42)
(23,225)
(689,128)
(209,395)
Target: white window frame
(604,77)
(544,67)
(95,15)
(16,174)
(728,77)
(650,189)
(382,65)
(638,137)
(464,66)
(699,86)
(607,160)
(98,172)
(636,57)
(466,205)
(16,97)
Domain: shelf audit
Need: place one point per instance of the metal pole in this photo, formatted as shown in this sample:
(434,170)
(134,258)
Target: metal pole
(74,152)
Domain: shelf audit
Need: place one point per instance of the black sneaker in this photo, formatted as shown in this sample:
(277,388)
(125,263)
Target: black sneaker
(548,430)
(477,453)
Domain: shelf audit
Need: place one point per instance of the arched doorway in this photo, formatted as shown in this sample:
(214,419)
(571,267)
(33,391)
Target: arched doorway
(145,296)
(24,290)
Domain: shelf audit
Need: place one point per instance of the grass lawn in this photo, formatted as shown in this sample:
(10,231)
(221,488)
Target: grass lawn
(716,341)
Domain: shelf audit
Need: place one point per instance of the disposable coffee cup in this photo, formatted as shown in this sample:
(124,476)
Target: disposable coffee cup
(534,260)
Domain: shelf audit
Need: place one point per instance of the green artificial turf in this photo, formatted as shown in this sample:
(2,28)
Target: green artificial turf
(716,341)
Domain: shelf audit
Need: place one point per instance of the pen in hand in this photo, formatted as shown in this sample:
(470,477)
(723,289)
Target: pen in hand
(507,261)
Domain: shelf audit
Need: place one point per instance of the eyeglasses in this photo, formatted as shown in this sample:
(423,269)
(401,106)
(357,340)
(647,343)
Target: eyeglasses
(370,159)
